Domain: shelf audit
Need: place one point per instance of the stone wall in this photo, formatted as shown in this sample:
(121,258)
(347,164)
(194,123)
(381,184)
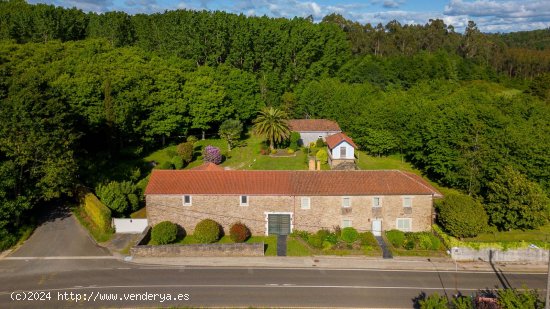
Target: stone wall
(240,249)
(496,255)
(325,211)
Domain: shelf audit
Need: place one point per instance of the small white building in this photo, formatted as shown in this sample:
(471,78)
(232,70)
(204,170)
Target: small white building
(313,129)
(341,148)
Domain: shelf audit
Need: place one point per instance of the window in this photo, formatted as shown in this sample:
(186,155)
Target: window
(244,200)
(346,201)
(376,201)
(306,203)
(343,152)
(407,201)
(346,223)
(187,200)
(404,224)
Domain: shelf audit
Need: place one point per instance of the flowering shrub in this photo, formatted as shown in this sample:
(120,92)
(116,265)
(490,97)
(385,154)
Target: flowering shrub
(212,154)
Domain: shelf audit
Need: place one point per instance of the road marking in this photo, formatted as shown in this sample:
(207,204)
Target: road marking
(100,257)
(269,285)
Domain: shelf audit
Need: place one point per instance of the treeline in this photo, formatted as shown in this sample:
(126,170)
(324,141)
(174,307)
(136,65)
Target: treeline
(285,51)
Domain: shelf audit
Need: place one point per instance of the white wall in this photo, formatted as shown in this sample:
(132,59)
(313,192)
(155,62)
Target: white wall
(349,151)
(309,137)
(130,226)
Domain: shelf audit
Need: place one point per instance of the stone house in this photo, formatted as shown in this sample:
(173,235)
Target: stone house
(313,129)
(341,149)
(279,202)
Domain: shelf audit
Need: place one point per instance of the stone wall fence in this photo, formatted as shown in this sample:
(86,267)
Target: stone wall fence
(199,250)
(525,255)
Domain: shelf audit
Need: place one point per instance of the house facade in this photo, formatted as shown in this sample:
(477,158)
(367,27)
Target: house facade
(279,202)
(341,149)
(313,129)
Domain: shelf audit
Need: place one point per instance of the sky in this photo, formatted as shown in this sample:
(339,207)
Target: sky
(489,15)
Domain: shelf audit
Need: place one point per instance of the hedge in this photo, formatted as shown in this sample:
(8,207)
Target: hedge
(97,211)
(164,233)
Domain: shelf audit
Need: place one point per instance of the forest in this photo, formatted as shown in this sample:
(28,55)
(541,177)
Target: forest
(77,90)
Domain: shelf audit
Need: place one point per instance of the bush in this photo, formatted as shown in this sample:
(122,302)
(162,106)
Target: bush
(165,166)
(427,241)
(185,151)
(98,212)
(462,216)
(294,138)
(177,161)
(290,151)
(320,143)
(433,301)
(409,244)
(120,197)
(513,298)
(322,156)
(315,241)
(212,154)
(239,232)
(349,235)
(323,234)
(273,151)
(164,233)
(207,231)
(396,238)
(192,139)
(368,239)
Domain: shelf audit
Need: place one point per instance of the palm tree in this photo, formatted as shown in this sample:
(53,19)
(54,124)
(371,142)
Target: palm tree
(271,123)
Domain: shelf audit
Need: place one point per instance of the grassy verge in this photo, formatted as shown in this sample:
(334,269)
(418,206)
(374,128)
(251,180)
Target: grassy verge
(541,234)
(294,246)
(97,233)
(140,214)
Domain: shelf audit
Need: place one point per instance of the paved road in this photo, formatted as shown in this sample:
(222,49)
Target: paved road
(59,235)
(236,286)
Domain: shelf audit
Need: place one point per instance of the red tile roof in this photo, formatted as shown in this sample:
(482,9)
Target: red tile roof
(313,125)
(208,166)
(291,183)
(336,139)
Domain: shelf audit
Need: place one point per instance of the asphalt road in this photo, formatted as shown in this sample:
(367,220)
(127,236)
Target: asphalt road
(93,280)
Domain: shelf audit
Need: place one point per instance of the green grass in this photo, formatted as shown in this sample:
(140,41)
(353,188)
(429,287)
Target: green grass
(391,162)
(541,234)
(140,214)
(294,247)
(98,234)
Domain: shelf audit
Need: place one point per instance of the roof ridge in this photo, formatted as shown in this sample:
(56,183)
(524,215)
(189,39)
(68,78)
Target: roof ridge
(418,182)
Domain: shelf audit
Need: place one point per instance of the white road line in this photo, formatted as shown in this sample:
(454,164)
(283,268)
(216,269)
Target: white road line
(269,285)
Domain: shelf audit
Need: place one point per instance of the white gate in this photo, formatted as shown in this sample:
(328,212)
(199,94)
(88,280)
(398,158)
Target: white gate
(130,226)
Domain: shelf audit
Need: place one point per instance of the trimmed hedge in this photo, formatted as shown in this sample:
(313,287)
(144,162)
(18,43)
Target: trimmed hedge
(239,232)
(164,233)
(207,231)
(349,235)
(396,238)
(97,211)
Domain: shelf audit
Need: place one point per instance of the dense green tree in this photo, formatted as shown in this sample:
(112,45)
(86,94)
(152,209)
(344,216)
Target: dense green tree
(231,130)
(514,202)
(119,196)
(461,215)
(271,123)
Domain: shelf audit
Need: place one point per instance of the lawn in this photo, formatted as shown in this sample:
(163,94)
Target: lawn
(294,247)
(539,235)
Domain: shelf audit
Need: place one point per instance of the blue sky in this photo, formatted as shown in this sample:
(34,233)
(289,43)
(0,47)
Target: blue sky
(490,15)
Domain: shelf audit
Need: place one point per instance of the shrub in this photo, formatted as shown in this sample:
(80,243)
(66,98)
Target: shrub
(322,156)
(514,298)
(185,151)
(396,238)
(212,154)
(462,216)
(294,138)
(192,139)
(273,151)
(368,239)
(98,212)
(323,234)
(349,235)
(302,234)
(177,161)
(239,232)
(290,151)
(426,241)
(332,238)
(433,301)
(165,166)
(207,231)
(119,196)
(462,302)
(164,233)
(315,241)
(320,143)
(409,244)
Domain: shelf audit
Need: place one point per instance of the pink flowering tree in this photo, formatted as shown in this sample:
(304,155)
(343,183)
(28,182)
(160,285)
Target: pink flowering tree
(212,154)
